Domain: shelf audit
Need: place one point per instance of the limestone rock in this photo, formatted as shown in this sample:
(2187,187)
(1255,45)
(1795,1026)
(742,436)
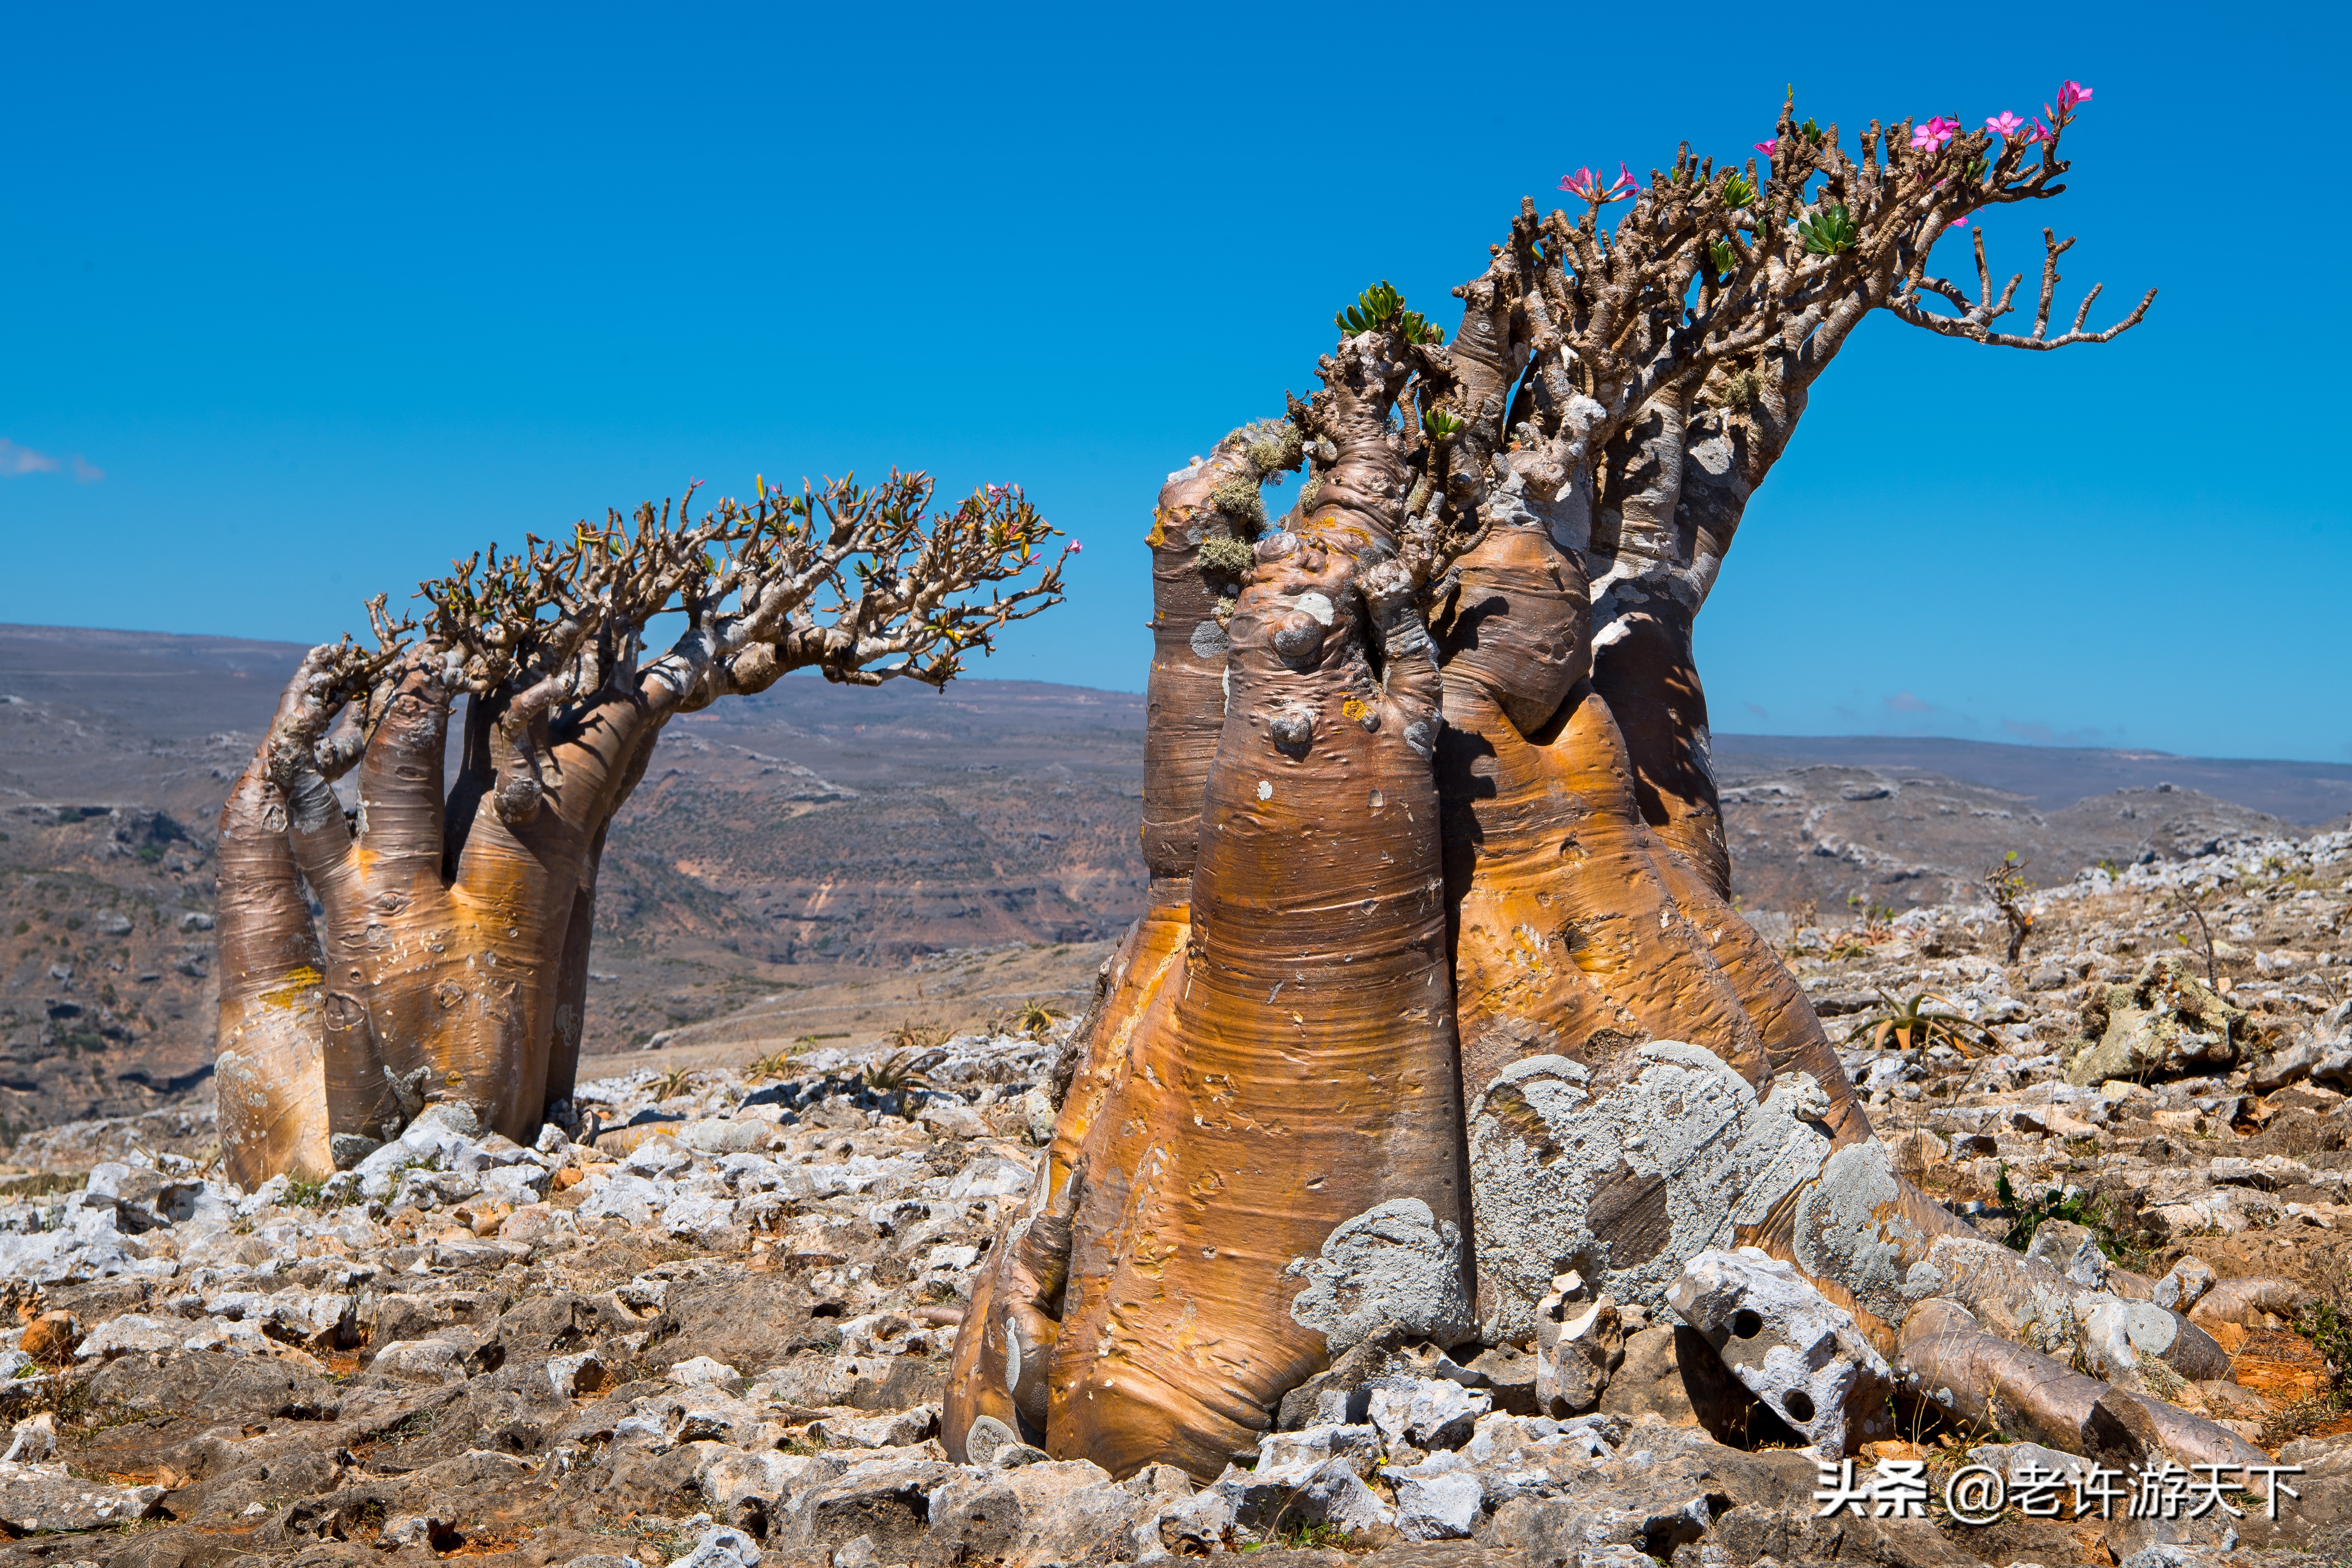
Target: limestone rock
(1801,1355)
(49,1497)
(1427,1412)
(2164,1022)
(1580,1344)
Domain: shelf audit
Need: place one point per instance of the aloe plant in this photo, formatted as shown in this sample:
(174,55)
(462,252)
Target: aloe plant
(1380,308)
(1912,1027)
(1828,232)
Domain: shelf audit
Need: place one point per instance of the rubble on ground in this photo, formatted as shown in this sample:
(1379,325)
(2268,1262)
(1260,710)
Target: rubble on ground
(703,1320)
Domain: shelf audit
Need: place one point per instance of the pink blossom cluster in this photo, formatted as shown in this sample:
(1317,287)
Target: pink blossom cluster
(1586,186)
(1930,135)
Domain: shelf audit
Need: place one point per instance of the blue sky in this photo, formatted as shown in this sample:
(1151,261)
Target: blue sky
(301,301)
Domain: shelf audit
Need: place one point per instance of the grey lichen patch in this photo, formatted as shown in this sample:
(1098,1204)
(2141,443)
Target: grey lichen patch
(1227,557)
(1273,446)
(1849,1229)
(1627,1183)
(1393,1266)
(1239,501)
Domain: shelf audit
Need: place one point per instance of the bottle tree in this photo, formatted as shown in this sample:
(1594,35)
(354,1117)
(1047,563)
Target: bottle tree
(449,958)
(1440,992)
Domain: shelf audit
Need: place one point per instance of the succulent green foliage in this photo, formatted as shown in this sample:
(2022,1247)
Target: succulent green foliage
(1737,191)
(1722,259)
(1227,557)
(1380,309)
(1828,231)
(1273,446)
(1239,499)
(1441,426)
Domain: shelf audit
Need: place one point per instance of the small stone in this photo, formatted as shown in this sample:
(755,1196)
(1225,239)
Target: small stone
(421,1361)
(721,1546)
(2185,1285)
(895,1429)
(1442,1506)
(576,1376)
(1427,1412)
(51,1338)
(702,1372)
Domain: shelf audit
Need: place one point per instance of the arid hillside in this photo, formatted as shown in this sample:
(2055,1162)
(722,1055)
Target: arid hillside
(797,852)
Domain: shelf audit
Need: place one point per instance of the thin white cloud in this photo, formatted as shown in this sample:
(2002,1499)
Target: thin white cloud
(85,472)
(16,461)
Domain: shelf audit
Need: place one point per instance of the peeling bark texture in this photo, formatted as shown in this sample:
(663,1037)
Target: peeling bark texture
(449,961)
(1442,994)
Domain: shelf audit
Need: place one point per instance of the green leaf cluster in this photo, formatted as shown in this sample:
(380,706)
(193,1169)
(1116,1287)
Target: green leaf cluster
(1737,191)
(1381,308)
(1440,425)
(1828,232)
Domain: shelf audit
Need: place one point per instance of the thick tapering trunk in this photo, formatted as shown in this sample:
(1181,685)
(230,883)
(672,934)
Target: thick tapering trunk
(449,958)
(1294,1123)
(997,1379)
(269,1074)
(1650,681)
(1184,699)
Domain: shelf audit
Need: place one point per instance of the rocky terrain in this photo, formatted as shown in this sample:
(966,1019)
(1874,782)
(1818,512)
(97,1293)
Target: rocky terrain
(706,1320)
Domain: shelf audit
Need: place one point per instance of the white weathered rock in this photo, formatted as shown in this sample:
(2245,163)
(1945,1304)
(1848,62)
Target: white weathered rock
(421,1361)
(721,1546)
(1793,1348)
(575,1376)
(50,1499)
(131,1333)
(1437,1500)
(702,1371)
(1358,1446)
(890,1429)
(1426,1412)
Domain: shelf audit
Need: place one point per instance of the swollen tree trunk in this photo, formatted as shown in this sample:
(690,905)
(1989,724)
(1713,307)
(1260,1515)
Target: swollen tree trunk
(449,958)
(1441,995)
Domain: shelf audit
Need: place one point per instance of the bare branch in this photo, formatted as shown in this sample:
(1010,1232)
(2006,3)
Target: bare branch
(1975,321)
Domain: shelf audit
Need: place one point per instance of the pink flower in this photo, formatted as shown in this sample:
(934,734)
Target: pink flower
(1076,549)
(1768,148)
(1932,136)
(1961,221)
(2034,132)
(2070,97)
(1586,185)
(2003,124)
